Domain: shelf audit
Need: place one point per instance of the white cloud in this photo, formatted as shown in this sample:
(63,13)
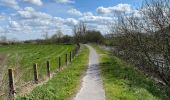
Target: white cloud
(96,19)
(75,12)
(71,21)
(120,8)
(14,3)
(28,20)
(39,21)
(9,3)
(58,20)
(32,20)
(64,1)
(35,18)
(88,14)
(36,22)
(30,13)
(14,24)
(36,2)
(67,21)
(102,10)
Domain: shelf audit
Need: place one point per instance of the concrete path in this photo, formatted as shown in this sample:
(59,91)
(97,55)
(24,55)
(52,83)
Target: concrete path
(92,88)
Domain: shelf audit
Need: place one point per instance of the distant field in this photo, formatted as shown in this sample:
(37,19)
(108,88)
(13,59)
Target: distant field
(21,58)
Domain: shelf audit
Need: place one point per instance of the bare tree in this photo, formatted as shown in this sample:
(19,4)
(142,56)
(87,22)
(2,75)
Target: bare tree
(80,32)
(147,38)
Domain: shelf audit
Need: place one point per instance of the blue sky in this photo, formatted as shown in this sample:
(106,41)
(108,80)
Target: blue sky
(30,19)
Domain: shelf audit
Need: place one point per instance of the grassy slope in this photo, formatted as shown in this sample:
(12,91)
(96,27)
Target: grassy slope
(64,83)
(123,82)
(21,58)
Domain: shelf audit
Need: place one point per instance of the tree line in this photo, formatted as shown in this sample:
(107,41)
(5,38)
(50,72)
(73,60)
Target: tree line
(81,34)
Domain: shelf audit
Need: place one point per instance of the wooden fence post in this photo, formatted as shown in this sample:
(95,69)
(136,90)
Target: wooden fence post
(11,83)
(66,59)
(35,73)
(70,56)
(59,63)
(48,68)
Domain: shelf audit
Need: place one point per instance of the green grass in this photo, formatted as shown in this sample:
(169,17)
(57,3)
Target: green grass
(64,84)
(123,82)
(21,58)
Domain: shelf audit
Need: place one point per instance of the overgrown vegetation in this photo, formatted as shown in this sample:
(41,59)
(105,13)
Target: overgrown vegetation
(145,41)
(123,82)
(63,84)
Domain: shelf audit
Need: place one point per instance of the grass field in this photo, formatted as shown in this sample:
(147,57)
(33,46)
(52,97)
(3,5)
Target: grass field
(21,58)
(64,84)
(123,82)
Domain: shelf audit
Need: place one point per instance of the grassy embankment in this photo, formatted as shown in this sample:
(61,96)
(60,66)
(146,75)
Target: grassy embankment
(123,82)
(21,57)
(63,84)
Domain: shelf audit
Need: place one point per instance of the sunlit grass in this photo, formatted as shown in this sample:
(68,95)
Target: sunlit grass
(21,58)
(64,84)
(123,82)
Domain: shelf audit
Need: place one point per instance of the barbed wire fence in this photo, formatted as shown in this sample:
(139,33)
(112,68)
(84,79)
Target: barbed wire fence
(12,83)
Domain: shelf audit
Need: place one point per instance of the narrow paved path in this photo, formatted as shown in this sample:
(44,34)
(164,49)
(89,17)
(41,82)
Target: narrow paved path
(92,88)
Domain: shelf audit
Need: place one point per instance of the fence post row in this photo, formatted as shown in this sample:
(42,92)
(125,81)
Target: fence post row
(35,73)
(59,63)
(11,76)
(66,59)
(11,83)
(48,68)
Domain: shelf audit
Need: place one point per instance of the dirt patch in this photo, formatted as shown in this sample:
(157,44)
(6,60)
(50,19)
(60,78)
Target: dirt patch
(3,70)
(2,58)
(3,65)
